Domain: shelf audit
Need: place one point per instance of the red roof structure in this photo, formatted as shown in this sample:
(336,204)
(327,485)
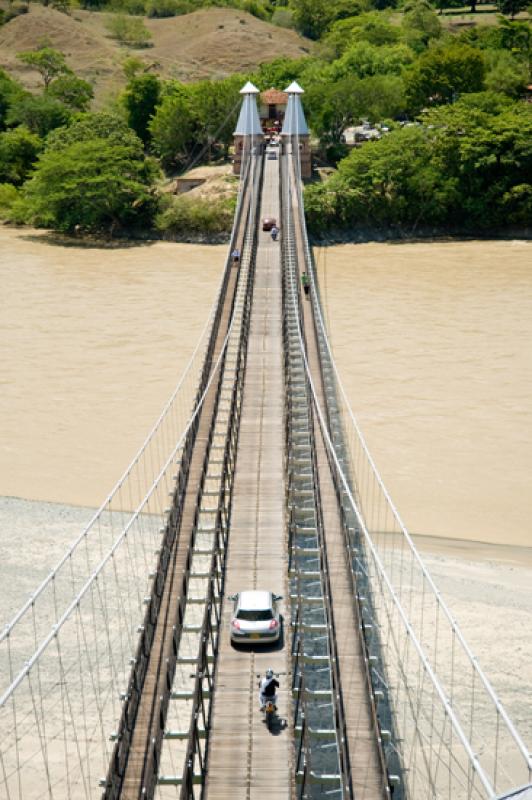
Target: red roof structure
(273,97)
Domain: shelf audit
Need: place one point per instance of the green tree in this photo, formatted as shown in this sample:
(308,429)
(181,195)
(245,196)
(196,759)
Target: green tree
(511,7)
(216,105)
(490,152)
(99,182)
(131,66)
(420,24)
(41,114)
(10,91)
(141,98)
(517,38)
(333,107)
(279,72)
(505,73)
(74,92)
(329,109)
(172,130)
(363,59)
(442,73)
(19,149)
(48,62)
(312,17)
(468,166)
(393,181)
(373,27)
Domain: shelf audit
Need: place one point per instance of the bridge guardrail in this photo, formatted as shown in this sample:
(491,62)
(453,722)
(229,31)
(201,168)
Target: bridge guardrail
(307,777)
(197,750)
(117,766)
(449,730)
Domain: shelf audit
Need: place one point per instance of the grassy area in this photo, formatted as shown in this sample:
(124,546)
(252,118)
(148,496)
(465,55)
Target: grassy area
(486,14)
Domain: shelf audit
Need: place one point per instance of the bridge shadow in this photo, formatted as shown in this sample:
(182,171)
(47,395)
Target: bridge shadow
(86,243)
(277,725)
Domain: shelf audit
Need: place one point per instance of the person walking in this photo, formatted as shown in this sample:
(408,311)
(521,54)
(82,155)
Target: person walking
(305,283)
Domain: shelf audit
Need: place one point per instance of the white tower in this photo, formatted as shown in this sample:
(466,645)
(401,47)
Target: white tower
(295,130)
(248,132)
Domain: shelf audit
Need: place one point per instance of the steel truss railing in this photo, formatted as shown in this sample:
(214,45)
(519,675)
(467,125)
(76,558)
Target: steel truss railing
(67,652)
(196,754)
(197,750)
(379,703)
(314,774)
(464,740)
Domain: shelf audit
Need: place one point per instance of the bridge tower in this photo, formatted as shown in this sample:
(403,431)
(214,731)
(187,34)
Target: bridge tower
(295,129)
(248,133)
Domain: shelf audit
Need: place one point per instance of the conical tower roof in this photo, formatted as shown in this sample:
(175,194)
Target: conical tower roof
(294,88)
(249,88)
(248,122)
(294,123)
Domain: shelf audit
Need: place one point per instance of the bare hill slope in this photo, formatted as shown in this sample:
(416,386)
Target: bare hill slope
(212,42)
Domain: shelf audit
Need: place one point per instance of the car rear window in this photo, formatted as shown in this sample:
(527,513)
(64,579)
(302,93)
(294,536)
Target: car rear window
(255,614)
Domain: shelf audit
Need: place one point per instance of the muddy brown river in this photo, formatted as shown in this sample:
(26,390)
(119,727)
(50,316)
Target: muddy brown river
(433,344)
(432,341)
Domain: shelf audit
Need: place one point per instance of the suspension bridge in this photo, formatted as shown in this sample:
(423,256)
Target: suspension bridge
(118,679)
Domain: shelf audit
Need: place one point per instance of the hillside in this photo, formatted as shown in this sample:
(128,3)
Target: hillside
(211,42)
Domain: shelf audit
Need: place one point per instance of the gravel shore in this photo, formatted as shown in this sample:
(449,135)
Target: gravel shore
(488,592)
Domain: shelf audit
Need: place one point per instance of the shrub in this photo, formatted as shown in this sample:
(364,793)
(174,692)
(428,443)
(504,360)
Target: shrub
(19,149)
(72,91)
(282,17)
(128,6)
(192,215)
(40,113)
(14,10)
(256,9)
(130,31)
(8,196)
(168,8)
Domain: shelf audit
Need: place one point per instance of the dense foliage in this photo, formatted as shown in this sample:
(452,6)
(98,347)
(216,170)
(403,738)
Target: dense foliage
(92,175)
(450,108)
(467,166)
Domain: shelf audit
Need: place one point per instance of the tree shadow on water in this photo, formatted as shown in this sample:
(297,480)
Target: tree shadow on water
(86,242)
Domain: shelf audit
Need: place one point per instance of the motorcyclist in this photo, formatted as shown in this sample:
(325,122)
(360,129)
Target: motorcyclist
(268,689)
(274,232)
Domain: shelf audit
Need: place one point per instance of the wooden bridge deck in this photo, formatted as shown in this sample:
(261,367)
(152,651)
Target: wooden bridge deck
(246,762)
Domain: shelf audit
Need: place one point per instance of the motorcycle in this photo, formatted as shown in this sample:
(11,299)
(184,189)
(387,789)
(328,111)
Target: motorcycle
(270,713)
(269,705)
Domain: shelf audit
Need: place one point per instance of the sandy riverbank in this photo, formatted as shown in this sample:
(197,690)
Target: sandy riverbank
(488,593)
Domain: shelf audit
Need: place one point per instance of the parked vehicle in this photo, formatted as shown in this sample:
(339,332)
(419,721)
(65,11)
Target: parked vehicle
(255,617)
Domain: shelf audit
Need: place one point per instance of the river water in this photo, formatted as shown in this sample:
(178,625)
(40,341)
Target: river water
(92,343)
(432,341)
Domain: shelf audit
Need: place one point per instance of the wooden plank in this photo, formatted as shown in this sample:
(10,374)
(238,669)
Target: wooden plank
(245,760)
(140,767)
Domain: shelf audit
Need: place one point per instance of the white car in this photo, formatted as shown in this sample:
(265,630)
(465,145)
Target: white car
(255,617)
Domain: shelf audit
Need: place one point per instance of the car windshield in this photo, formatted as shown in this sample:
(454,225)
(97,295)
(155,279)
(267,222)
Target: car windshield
(255,614)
